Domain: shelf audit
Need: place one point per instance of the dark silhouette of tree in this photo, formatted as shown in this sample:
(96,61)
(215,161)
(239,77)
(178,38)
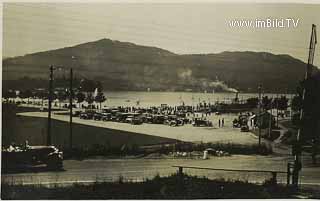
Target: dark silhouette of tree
(26,94)
(62,96)
(266,103)
(88,85)
(89,99)
(283,103)
(68,95)
(311,108)
(80,97)
(296,103)
(100,98)
(9,94)
(252,102)
(41,94)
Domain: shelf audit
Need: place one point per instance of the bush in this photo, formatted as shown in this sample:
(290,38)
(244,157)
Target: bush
(172,187)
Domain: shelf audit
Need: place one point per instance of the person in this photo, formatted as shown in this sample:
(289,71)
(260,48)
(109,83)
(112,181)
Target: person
(219,123)
(26,144)
(222,122)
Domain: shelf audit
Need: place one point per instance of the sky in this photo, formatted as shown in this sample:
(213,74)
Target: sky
(183,28)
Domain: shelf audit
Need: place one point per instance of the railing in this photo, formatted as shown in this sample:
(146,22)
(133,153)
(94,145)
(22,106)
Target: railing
(273,173)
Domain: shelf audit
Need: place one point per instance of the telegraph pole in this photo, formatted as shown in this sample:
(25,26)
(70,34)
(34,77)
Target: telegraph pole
(297,149)
(49,106)
(70,105)
(259,116)
(270,123)
(277,105)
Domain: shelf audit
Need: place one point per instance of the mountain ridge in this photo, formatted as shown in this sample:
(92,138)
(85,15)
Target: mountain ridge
(128,66)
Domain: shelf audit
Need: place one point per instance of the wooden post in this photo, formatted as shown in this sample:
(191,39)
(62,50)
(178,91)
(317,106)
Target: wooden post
(259,115)
(274,177)
(180,171)
(288,174)
(49,106)
(70,105)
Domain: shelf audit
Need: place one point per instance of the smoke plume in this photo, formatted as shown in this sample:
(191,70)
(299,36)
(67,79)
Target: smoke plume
(217,85)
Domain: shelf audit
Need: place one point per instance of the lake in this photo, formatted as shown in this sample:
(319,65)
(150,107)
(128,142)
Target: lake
(147,99)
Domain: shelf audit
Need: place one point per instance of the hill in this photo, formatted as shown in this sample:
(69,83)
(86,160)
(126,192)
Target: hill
(127,66)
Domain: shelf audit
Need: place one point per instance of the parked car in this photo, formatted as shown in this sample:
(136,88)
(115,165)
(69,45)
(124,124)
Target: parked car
(121,117)
(86,115)
(158,119)
(244,128)
(236,123)
(97,116)
(106,116)
(18,156)
(202,122)
(77,114)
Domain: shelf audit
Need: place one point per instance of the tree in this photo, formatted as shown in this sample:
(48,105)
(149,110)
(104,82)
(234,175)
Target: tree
(296,103)
(9,94)
(266,103)
(252,102)
(80,97)
(26,94)
(41,94)
(99,98)
(89,99)
(88,85)
(68,94)
(283,103)
(311,108)
(62,95)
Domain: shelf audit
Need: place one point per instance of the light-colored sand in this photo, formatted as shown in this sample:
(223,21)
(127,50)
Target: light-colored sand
(184,133)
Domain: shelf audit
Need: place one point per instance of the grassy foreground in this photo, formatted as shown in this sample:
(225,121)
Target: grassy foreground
(172,187)
(18,129)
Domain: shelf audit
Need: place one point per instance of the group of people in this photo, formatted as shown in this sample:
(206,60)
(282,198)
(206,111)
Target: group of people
(221,123)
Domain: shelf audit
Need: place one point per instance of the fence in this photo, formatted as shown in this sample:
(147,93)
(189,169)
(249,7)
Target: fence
(273,173)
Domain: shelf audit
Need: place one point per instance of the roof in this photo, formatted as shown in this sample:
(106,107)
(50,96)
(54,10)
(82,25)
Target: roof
(262,113)
(40,147)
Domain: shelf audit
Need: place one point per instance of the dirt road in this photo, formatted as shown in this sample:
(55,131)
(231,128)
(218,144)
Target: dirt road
(92,170)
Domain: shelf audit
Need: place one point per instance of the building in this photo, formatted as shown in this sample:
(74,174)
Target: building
(265,117)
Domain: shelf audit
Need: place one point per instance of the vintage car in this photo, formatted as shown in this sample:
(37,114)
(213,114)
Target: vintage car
(106,116)
(244,128)
(97,116)
(236,124)
(158,119)
(76,114)
(22,156)
(121,116)
(201,122)
(86,115)
(176,122)
(134,120)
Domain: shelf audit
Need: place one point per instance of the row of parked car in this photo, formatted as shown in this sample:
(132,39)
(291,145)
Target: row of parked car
(113,115)
(137,118)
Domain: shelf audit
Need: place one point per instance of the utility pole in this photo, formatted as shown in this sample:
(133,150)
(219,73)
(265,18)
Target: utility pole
(259,116)
(49,106)
(297,149)
(277,106)
(71,105)
(270,123)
